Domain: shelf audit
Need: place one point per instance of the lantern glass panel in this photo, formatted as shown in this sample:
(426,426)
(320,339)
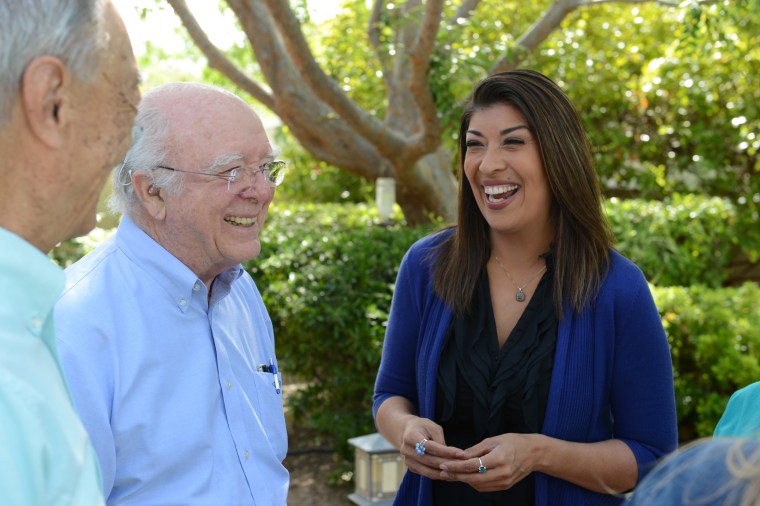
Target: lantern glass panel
(361,475)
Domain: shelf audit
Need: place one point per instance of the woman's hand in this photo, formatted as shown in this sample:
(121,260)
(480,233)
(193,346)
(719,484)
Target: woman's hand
(505,460)
(426,436)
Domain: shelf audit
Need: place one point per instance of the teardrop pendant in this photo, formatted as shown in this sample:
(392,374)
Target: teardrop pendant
(520,295)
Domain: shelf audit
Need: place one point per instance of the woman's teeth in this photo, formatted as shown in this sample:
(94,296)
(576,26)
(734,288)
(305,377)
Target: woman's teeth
(496,194)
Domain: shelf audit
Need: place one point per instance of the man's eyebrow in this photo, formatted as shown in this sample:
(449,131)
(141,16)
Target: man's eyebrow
(224,159)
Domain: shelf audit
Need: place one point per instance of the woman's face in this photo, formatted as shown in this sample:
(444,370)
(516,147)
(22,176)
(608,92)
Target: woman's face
(503,166)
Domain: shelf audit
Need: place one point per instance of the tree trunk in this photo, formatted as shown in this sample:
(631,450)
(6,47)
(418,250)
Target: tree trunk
(429,189)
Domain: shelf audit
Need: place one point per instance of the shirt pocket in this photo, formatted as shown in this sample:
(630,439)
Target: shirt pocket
(269,408)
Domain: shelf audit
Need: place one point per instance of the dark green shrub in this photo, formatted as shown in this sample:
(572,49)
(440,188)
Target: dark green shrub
(683,240)
(326,273)
(714,336)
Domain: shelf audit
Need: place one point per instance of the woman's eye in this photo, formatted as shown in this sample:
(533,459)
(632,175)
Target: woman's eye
(472,144)
(513,141)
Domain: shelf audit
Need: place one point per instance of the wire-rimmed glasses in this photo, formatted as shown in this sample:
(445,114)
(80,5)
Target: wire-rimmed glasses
(272,172)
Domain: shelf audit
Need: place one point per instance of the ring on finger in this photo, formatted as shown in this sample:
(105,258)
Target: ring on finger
(420,447)
(482,468)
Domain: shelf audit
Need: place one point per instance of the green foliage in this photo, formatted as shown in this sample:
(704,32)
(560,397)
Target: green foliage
(326,273)
(315,181)
(714,336)
(71,250)
(684,239)
(668,95)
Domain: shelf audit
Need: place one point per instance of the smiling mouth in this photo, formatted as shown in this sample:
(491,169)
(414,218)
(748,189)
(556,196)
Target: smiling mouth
(240,221)
(500,193)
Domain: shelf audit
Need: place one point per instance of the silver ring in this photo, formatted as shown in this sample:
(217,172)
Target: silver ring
(420,447)
(482,468)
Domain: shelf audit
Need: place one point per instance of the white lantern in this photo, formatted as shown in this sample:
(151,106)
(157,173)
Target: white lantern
(378,470)
(385,197)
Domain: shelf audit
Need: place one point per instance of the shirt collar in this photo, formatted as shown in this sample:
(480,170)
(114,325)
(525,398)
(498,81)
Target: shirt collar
(180,283)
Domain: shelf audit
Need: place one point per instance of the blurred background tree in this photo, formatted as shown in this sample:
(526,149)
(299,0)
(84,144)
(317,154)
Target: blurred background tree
(668,90)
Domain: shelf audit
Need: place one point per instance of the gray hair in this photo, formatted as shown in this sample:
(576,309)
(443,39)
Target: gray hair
(150,140)
(71,30)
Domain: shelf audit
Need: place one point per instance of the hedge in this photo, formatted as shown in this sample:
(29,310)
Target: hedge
(327,275)
(327,271)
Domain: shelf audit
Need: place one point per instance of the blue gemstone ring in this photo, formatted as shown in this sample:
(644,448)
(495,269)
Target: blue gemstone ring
(420,447)
(482,468)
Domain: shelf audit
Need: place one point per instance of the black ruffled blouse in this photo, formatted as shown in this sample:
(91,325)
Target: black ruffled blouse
(484,391)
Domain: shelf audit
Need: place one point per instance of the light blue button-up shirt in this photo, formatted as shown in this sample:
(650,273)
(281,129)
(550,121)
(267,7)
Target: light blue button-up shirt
(168,382)
(45,455)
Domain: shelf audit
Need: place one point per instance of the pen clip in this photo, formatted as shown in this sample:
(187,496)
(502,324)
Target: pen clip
(273,370)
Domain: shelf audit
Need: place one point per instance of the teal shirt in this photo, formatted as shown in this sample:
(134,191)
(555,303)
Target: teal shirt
(742,415)
(45,454)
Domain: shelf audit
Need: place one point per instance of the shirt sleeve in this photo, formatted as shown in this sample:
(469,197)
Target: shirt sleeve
(397,372)
(742,414)
(92,393)
(643,398)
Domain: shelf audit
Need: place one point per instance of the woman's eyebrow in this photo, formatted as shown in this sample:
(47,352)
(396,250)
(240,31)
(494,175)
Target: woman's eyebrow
(502,133)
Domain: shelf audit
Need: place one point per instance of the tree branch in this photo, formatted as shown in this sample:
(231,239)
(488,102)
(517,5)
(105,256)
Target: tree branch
(216,58)
(591,3)
(373,28)
(551,20)
(429,135)
(373,33)
(323,86)
(465,10)
(535,35)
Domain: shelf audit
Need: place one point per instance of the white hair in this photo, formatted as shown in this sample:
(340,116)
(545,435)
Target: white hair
(71,30)
(150,145)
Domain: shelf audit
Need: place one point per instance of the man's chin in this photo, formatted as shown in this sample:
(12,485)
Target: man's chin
(84,227)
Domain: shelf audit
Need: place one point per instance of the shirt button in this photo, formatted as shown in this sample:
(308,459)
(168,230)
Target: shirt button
(182,302)
(229,384)
(196,287)
(247,455)
(36,322)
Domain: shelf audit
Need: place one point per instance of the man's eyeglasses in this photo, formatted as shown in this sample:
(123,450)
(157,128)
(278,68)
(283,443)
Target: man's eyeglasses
(272,172)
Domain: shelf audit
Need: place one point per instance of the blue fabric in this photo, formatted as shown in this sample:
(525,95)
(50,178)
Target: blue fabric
(714,473)
(612,371)
(45,455)
(742,415)
(166,381)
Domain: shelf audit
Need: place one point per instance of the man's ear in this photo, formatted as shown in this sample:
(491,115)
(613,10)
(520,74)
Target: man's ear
(150,195)
(45,99)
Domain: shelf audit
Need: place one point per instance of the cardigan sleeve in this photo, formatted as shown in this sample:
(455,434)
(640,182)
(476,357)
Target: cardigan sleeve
(642,392)
(397,373)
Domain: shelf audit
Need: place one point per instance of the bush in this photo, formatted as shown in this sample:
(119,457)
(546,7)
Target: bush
(326,273)
(714,336)
(683,240)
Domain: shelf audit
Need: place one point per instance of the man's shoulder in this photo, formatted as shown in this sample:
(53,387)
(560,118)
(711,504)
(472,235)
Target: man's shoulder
(83,275)
(750,392)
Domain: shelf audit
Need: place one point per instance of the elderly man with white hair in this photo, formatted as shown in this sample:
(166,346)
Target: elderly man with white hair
(163,335)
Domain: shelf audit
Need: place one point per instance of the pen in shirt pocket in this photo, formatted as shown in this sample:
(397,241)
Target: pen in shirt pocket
(271,368)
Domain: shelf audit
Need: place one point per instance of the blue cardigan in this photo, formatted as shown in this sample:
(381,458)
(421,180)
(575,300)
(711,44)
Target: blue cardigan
(612,374)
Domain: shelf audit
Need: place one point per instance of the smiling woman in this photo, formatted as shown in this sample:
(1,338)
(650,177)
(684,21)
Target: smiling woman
(518,338)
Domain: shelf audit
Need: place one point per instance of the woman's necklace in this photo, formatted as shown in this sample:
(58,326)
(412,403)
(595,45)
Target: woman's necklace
(519,295)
